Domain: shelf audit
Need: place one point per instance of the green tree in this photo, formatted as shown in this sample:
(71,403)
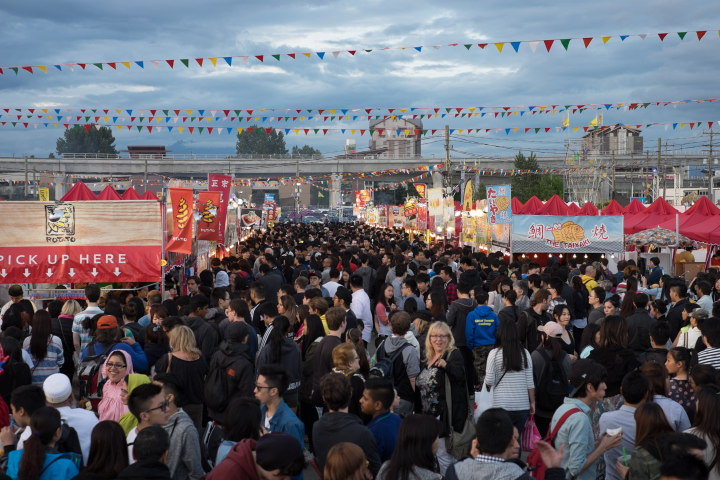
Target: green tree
(391,197)
(51,155)
(305,150)
(81,140)
(480,193)
(255,141)
(542,186)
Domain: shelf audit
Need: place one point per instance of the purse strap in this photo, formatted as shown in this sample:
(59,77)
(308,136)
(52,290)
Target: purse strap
(170,356)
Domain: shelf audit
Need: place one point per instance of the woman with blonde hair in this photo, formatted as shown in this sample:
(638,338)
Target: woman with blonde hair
(62,328)
(443,360)
(318,306)
(287,307)
(187,362)
(346,361)
(346,461)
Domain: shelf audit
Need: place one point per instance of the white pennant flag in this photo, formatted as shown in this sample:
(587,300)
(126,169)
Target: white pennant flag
(244,60)
(158,129)
(35,125)
(72,67)
(154,62)
(224,118)
(175,120)
(436,47)
(335,54)
(213,112)
(643,35)
(533,46)
(97,127)
(142,112)
(219,130)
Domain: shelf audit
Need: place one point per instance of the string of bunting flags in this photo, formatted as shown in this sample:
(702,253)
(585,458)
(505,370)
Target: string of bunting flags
(325,113)
(202,62)
(324,131)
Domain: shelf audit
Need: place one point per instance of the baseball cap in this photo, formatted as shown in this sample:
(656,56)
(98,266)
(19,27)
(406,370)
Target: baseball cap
(236,331)
(551,329)
(107,321)
(579,373)
(314,273)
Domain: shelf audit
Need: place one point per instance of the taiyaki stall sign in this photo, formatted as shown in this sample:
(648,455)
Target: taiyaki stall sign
(80,242)
(222,184)
(181,200)
(499,209)
(554,234)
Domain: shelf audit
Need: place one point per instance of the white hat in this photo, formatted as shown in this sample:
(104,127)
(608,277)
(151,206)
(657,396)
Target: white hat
(57,388)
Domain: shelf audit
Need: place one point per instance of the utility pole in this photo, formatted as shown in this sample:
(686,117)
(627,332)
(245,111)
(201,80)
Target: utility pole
(26,177)
(145,179)
(710,167)
(297,186)
(447,156)
(612,160)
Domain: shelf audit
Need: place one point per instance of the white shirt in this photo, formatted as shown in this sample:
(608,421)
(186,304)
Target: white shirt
(24,436)
(130,439)
(83,421)
(331,287)
(27,358)
(360,306)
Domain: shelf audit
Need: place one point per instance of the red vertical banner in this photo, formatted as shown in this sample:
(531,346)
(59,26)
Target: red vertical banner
(181,200)
(422,216)
(209,208)
(222,184)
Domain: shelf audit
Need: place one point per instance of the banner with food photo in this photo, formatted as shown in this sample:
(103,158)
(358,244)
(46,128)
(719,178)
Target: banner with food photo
(435,206)
(499,209)
(558,234)
(251,218)
(382,214)
(208,226)
(181,200)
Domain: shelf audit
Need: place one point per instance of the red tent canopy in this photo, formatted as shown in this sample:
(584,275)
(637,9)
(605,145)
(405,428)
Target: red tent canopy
(109,194)
(634,207)
(532,206)
(659,212)
(148,195)
(573,209)
(698,222)
(590,210)
(78,192)
(554,206)
(130,194)
(516,205)
(703,207)
(612,208)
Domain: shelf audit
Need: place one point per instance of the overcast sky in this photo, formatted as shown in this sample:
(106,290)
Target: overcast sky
(47,33)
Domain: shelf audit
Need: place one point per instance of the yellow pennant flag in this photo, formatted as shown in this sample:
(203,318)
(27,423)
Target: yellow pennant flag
(240,130)
(605,39)
(118,112)
(575,129)
(301,118)
(514,130)
(593,122)
(500,46)
(44,110)
(208,119)
(352,132)
(403,110)
(257,118)
(50,117)
(158,119)
(55,125)
(332,112)
(320,194)
(681,126)
(127,64)
(43,68)
(296,131)
(460,131)
(106,119)
(472,109)
(214,61)
(307,54)
(262,110)
(119,127)
(514,113)
(181,129)
(189,112)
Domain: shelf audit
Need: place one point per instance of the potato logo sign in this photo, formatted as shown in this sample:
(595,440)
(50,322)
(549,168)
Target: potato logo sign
(60,220)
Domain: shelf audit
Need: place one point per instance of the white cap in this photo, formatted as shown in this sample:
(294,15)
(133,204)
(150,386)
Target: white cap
(57,388)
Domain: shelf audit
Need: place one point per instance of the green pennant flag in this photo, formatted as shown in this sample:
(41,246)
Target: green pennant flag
(87,119)
(309,111)
(537,130)
(468,46)
(422,116)
(28,116)
(377,117)
(424,132)
(141,119)
(287,118)
(99,65)
(203,128)
(18,109)
(368,51)
(192,119)
(316,130)
(185,62)
(682,35)
(94,111)
(240,119)
(166,112)
(77,127)
(463,115)
(332,119)
(259,130)
(139,127)
(276,57)
(447,110)
(371,132)
(237,113)
(15,123)
(565,43)
(567,107)
(646,104)
(502,114)
(14,69)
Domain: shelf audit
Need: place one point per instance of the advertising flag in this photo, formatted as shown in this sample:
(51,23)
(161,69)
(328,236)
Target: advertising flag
(208,207)
(435,206)
(421,188)
(181,200)
(222,184)
(499,209)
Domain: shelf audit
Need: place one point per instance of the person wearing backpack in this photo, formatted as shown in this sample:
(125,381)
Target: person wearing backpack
(550,370)
(480,329)
(532,318)
(232,372)
(401,364)
(571,426)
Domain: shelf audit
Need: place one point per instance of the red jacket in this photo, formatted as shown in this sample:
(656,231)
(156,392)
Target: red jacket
(239,463)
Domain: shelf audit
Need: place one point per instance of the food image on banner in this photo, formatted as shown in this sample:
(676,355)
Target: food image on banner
(398,218)
(222,184)
(362,198)
(420,188)
(181,240)
(383,216)
(372,216)
(499,209)
(468,230)
(81,242)
(435,206)
(555,234)
(468,197)
(410,209)
(422,216)
(208,206)
(251,218)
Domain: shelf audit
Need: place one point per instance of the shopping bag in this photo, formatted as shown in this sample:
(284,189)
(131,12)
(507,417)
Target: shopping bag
(530,434)
(483,401)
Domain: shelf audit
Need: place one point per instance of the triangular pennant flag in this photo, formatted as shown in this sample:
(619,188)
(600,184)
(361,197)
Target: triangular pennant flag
(587,41)
(468,46)
(499,46)
(228,60)
(139,64)
(200,62)
(700,34)
(171,63)
(565,43)
(29,69)
(662,36)
(259,57)
(548,44)
(533,46)
(44,69)
(642,35)
(185,62)
(244,59)
(335,54)
(276,57)
(155,63)
(213,61)
(605,39)
(515,45)
(320,54)
(682,35)
(623,37)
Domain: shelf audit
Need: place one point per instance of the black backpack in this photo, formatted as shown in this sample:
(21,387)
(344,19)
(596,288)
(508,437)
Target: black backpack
(552,387)
(69,441)
(531,330)
(383,367)
(216,388)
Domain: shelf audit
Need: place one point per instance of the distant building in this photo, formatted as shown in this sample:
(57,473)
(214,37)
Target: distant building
(617,139)
(405,145)
(146,151)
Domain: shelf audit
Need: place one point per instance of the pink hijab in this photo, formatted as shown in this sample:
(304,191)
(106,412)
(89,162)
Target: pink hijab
(111,406)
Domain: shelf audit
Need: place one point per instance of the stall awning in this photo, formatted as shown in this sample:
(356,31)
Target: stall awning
(78,192)
(109,194)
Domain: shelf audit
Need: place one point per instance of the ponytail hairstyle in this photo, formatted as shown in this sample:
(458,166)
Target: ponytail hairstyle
(684,355)
(281,327)
(41,331)
(540,296)
(44,423)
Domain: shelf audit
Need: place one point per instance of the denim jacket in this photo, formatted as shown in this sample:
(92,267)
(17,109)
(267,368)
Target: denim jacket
(577,436)
(286,421)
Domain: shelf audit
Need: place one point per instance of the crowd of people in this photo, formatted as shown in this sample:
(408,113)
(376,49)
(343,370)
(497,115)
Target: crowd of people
(359,353)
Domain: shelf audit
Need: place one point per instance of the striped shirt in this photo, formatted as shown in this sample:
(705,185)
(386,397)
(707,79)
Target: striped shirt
(50,364)
(710,356)
(85,337)
(510,392)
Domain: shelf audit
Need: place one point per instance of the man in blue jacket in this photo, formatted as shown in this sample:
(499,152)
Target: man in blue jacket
(481,326)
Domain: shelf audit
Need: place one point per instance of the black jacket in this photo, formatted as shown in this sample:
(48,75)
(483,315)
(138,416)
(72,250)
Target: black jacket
(618,361)
(674,317)
(530,337)
(509,313)
(639,324)
(291,361)
(205,335)
(154,352)
(146,470)
(272,284)
(240,366)
(337,427)
(657,355)
(568,294)
(455,369)
(457,314)
(471,277)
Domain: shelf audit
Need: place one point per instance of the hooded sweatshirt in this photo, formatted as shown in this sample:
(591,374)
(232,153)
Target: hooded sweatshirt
(291,361)
(237,359)
(337,427)
(239,463)
(368,276)
(183,460)
(480,327)
(456,317)
(111,406)
(204,335)
(471,277)
(508,470)
(146,470)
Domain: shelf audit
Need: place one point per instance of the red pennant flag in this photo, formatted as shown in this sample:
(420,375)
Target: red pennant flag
(29,69)
(268,130)
(390,110)
(105,111)
(210,129)
(291,55)
(64,125)
(249,113)
(97,119)
(149,128)
(170,62)
(112,65)
(199,61)
(152,112)
(87,128)
(31,110)
(177,112)
(587,41)
(368,110)
(692,125)
(184,119)
(362,132)
(548,44)
(82,110)
(191,129)
(496,114)
(227,112)
(662,36)
(526,130)
(351,52)
(132,119)
(432,132)
(547,129)
(700,34)
(306,130)
(25,125)
(482,45)
(460,109)
(324,131)
(710,124)
(129,127)
(320,112)
(82,65)
(259,57)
